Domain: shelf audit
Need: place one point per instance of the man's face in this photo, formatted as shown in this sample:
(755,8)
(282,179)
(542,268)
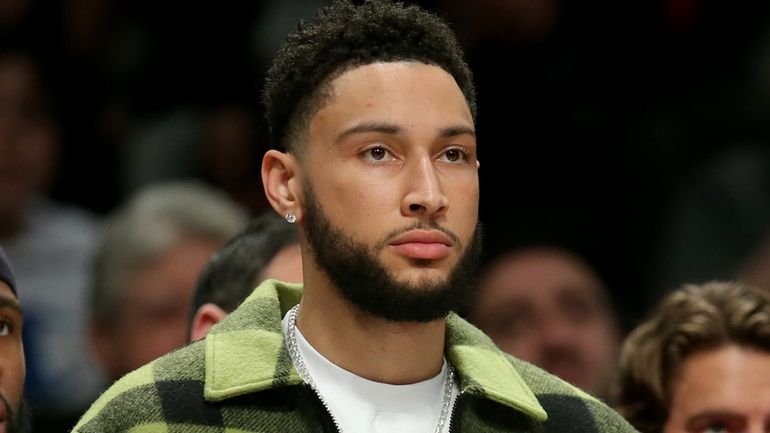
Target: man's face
(12,369)
(392,178)
(548,308)
(724,390)
(154,312)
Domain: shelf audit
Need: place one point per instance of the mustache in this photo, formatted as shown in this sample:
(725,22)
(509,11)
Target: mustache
(559,355)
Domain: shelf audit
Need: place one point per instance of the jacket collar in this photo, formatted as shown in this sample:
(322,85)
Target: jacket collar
(234,366)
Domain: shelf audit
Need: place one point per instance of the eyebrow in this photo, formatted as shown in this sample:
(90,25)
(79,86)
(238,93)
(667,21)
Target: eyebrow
(697,418)
(458,130)
(391,129)
(12,304)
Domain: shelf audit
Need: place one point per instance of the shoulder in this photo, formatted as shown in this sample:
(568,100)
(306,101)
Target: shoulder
(498,378)
(567,406)
(151,395)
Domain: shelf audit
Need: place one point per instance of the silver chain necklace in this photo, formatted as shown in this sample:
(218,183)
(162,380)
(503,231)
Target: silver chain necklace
(299,364)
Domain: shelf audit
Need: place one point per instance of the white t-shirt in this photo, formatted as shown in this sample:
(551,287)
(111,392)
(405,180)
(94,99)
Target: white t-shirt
(362,405)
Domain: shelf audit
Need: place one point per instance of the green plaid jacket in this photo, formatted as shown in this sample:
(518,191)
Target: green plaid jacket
(240,379)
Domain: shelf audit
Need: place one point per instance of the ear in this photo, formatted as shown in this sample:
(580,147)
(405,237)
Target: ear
(283,188)
(207,316)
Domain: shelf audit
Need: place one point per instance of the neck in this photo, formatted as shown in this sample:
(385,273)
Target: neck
(368,346)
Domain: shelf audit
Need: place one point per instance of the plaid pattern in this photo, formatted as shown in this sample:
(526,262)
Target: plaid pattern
(240,379)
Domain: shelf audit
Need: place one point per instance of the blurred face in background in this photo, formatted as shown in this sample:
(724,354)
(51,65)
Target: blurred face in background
(154,312)
(285,266)
(547,307)
(724,390)
(28,139)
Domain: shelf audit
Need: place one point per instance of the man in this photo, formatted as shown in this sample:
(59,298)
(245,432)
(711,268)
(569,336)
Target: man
(150,254)
(374,109)
(546,305)
(701,362)
(267,248)
(13,416)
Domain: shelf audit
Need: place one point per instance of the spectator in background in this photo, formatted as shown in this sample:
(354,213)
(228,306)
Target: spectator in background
(268,248)
(546,305)
(150,254)
(50,244)
(700,362)
(13,417)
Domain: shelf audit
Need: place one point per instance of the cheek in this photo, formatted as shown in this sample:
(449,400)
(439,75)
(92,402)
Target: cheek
(370,193)
(599,339)
(464,201)
(13,373)
(357,199)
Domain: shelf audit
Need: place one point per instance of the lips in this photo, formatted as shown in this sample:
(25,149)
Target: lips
(423,244)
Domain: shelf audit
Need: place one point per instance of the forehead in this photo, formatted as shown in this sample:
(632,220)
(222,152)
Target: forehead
(539,273)
(7,296)
(388,88)
(729,378)
(177,269)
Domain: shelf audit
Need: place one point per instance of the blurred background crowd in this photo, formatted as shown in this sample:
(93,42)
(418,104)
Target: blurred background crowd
(634,134)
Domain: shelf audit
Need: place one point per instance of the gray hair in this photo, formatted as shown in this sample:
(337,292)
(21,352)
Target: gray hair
(147,226)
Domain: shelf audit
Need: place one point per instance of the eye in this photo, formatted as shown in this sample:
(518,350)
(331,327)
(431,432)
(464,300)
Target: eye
(512,322)
(579,308)
(5,328)
(454,154)
(716,427)
(377,154)
(719,425)
(719,422)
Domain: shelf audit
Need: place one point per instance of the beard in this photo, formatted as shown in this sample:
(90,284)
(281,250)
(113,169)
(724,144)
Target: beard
(366,284)
(16,420)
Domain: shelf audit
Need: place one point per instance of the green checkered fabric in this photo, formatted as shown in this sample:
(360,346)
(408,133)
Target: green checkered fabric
(240,379)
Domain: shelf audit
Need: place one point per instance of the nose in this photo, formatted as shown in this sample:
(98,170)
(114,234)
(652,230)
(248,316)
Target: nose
(557,333)
(425,197)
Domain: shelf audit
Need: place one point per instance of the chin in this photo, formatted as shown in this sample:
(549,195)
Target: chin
(422,269)
(422,279)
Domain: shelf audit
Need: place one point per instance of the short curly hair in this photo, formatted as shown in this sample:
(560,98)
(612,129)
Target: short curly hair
(692,319)
(344,36)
